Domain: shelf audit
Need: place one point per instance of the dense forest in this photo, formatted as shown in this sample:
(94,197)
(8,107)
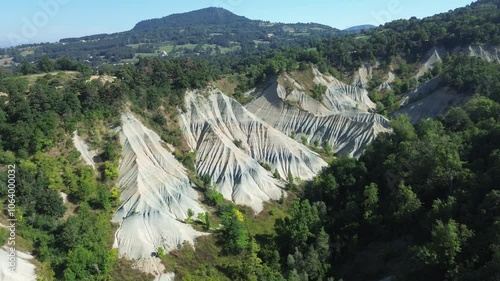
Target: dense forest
(420,204)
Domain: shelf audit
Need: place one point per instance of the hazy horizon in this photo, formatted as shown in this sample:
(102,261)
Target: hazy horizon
(52,20)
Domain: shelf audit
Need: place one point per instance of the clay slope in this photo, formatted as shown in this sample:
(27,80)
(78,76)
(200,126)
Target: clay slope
(156,195)
(25,270)
(363,76)
(340,97)
(485,52)
(429,100)
(342,119)
(231,141)
(86,154)
(391,76)
(433,57)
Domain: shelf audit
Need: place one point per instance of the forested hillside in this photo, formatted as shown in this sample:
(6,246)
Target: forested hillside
(421,202)
(205,32)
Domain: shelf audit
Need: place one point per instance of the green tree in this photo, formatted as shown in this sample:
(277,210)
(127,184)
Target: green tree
(405,202)
(276,174)
(110,170)
(160,252)
(207,221)
(403,129)
(446,244)
(45,65)
(87,184)
(80,264)
(327,148)
(213,198)
(111,151)
(233,234)
(318,92)
(190,214)
(371,200)
(27,68)
(300,226)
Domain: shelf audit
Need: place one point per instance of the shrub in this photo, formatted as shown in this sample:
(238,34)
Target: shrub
(237,143)
(213,197)
(304,140)
(265,165)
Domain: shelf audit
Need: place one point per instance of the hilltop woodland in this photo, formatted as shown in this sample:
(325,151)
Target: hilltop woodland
(421,203)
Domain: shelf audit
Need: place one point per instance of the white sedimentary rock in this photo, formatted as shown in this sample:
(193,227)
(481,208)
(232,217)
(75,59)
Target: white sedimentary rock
(342,119)
(432,57)
(25,270)
(231,141)
(485,52)
(156,194)
(363,76)
(87,155)
(429,100)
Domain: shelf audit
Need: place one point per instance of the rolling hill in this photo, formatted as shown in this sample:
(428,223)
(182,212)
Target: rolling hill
(208,31)
(365,156)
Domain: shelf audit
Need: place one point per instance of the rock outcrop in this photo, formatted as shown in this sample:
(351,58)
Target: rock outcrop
(233,146)
(86,154)
(432,57)
(342,119)
(156,194)
(363,76)
(25,270)
(485,52)
(429,100)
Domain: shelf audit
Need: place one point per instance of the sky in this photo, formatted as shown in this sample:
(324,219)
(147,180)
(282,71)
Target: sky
(34,21)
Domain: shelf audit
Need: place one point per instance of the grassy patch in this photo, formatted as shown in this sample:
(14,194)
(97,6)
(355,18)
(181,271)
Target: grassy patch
(27,51)
(225,50)
(187,46)
(363,37)
(123,270)
(166,48)
(263,222)
(135,46)
(305,78)
(226,84)
(302,34)
(204,261)
(146,55)
(61,76)
(134,60)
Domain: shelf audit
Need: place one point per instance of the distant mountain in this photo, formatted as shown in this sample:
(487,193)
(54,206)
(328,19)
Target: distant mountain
(359,28)
(204,32)
(207,16)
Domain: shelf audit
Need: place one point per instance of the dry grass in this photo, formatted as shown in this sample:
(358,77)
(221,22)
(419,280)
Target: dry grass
(285,82)
(124,270)
(6,61)
(206,258)
(305,78)
(225,85)
(70,209)
(62,75)
(27,51)
(102,78)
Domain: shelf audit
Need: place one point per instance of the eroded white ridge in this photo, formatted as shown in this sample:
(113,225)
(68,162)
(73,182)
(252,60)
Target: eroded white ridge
(156,194)
(231,141)
(342,119)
